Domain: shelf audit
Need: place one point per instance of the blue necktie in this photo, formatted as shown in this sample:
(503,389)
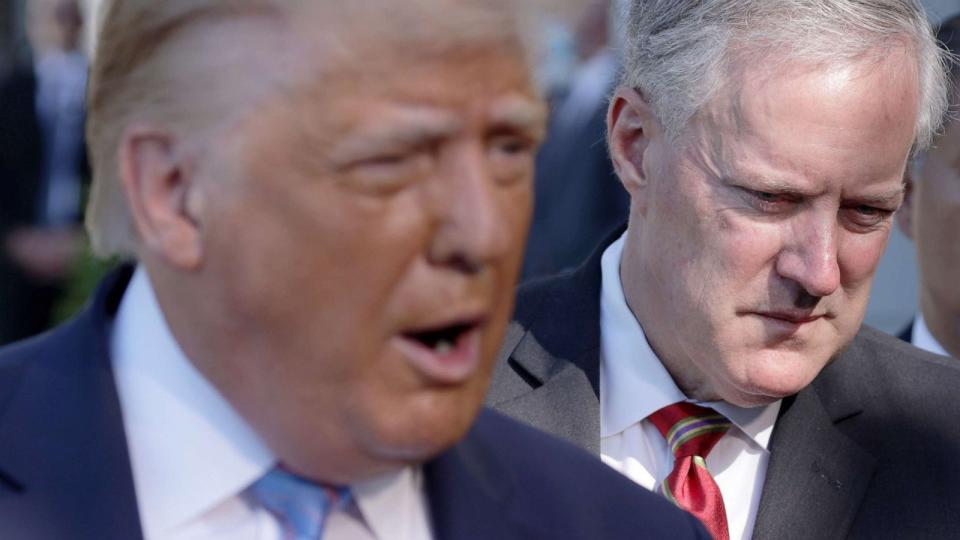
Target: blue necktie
(302,506)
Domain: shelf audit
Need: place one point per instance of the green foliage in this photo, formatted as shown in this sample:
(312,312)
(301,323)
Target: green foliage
(86,272)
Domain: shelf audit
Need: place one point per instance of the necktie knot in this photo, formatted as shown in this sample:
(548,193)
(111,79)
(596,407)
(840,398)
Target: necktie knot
(302,506)
(690,430)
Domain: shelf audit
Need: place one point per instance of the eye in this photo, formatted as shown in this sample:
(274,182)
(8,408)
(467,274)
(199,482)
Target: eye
(767,197)
(511,156)
(867,216)
(388,172)
(766,201)
(512,146)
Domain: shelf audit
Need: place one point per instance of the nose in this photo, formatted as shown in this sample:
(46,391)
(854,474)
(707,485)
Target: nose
(809,256)
(474,217)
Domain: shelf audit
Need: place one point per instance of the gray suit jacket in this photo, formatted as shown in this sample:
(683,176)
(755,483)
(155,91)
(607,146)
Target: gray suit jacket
(869,450)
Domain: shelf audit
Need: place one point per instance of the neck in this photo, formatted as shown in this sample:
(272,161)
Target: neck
(636,281)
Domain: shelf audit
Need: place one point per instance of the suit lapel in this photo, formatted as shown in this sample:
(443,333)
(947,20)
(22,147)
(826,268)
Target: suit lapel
(907,333)
(558,356)
(64,466)
(565,405)
(816,477)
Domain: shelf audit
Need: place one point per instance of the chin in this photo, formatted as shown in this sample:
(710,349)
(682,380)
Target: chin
(775,381)
(420,432)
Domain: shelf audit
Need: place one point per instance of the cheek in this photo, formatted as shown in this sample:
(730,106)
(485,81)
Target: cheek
(749,248)
(517,204)
(937,219)
(314,257)
(737,260)
(937,229)
(858,256)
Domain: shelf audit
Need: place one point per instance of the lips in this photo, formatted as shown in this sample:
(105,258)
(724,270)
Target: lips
(443,352)
(794,318)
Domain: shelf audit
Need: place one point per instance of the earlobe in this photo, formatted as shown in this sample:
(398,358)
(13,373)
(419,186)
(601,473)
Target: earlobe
(158,189)
(630,127)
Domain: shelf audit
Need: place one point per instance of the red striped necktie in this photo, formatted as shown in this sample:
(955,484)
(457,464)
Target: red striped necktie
(691,432)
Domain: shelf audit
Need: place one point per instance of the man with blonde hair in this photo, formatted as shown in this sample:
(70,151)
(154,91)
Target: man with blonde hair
(327,203)
(713,351)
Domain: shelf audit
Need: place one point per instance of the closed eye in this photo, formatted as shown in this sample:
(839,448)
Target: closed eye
(770,202)
(511,156)
(766,197)
(866,216)
(387,173)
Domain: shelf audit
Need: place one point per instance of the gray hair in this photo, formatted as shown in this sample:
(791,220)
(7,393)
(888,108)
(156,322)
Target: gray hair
(679,52)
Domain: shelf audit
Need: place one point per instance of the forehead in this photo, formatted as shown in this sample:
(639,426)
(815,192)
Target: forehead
(341,99)
(405,40)
(315,55)
(855,118)
(427,66)
(347,116)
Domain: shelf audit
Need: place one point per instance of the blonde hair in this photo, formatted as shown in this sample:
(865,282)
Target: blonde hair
(136,73)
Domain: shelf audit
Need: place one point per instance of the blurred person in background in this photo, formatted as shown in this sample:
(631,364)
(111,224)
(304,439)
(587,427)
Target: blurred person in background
(42,169)
(328,203)
(714,350)
(578,197)
(931,217)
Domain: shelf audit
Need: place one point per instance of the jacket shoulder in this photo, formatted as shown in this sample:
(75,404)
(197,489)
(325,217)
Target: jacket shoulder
(898,403)
(880,366)
(534,296)
(38,352)
(574,493)
(556,320)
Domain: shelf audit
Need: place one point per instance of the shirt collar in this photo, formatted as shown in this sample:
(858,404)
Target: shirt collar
(166,403)
(633,382)
(393,505)
(923,339)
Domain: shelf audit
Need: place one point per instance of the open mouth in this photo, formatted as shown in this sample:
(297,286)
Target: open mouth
(448,354)
(441,340)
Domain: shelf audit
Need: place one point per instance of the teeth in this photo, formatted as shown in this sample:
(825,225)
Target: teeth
(443,347)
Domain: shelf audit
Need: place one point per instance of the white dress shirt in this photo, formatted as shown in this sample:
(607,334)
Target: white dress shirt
(193,457)
(634,384)
(921,337)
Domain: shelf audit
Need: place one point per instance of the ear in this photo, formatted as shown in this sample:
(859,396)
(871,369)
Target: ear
(905,213)
(162,197)
(631,126)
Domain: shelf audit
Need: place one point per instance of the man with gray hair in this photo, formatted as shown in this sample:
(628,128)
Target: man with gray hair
(714,350)
(327,203)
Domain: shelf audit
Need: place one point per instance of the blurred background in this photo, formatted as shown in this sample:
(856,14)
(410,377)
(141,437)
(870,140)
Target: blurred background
(46,271)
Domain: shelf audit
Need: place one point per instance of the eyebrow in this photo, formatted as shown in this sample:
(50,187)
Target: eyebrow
(783,188)
(403,128)
(762,183)
(416,126)
(887,198)
(519,113)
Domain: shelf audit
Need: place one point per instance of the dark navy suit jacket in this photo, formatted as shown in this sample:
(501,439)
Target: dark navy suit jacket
(65,470)
(907,333)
